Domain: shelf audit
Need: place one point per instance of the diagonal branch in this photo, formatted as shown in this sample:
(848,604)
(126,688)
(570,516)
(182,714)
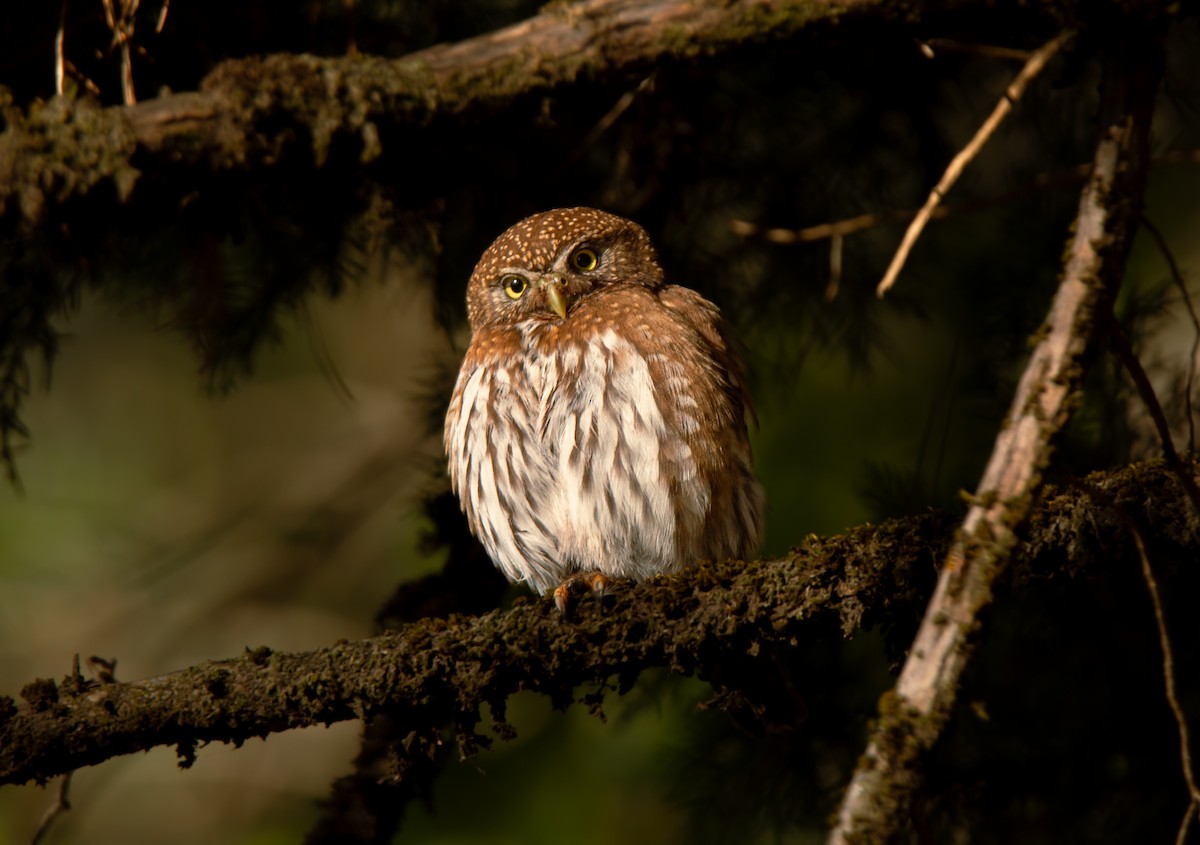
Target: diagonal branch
(966,155)
(874,807)
(438,672)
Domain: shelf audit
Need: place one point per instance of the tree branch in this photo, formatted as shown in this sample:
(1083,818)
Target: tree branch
(912,717)
(442,671)
(967,154)
(249,111)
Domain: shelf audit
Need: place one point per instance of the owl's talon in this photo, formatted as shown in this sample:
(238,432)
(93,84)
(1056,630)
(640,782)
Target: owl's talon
(599,584)
(562,595)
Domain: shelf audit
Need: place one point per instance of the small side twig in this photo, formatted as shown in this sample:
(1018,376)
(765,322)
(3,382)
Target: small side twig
(835,267)
(875,219)
(1011,95)
(931,47)
(913,715)
(61,805)
(122,24)
(104,670)
(1164,641)
(1177,278)
(59,39)
(1150,399)
(614,114)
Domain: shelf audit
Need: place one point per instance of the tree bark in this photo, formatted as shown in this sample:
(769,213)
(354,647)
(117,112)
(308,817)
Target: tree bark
(249,112)
(875,805)
(441,671)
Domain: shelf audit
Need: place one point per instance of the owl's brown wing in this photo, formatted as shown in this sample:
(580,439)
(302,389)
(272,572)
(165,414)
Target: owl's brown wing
(700,386)
(707,321)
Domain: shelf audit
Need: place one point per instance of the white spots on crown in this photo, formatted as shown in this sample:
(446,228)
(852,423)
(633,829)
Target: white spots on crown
(537,240)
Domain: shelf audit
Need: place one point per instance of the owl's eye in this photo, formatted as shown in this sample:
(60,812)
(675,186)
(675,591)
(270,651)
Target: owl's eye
(585,259)
(514,286)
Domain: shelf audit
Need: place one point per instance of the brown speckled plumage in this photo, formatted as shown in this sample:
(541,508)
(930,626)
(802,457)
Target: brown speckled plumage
(599,420)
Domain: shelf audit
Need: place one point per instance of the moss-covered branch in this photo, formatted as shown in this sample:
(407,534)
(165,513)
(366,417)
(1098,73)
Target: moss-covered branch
(440,672)
(250,111)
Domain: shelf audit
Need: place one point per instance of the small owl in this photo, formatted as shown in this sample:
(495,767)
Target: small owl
(598,425)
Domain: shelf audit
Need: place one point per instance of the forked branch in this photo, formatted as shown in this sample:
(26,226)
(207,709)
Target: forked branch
(875,805)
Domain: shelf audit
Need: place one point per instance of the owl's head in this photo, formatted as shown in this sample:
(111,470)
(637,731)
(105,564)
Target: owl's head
(541,267)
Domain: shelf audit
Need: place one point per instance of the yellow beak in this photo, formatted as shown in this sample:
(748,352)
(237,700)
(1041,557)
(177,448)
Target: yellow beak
(554,296)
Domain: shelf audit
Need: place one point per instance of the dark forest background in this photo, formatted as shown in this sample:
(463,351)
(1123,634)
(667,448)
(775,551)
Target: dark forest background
(237,442)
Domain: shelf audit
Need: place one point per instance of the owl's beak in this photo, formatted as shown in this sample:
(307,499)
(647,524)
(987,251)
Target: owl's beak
(553,286)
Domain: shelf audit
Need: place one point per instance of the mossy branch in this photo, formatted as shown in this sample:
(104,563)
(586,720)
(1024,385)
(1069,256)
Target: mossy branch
(250,111)
(441,672)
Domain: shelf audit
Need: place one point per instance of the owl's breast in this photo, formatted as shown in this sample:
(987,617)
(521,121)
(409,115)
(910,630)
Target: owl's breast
(627,488)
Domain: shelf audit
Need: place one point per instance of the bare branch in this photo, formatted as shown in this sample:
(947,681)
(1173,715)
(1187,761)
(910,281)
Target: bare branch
(1045,181)
(1011,95)
(933,46)
(876,219)
(1164,641)
(1146,391)
(1181,283)
(1181,724)
(59,40)
(913,714)
(61,805)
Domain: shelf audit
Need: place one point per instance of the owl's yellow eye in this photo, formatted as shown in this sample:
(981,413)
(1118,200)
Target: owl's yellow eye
(515,286)
(585,259)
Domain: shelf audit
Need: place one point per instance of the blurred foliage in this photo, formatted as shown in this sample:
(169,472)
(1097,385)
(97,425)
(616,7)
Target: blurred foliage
(275,516)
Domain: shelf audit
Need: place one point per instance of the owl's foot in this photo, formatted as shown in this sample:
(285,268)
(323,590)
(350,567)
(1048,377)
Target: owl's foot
(597,581)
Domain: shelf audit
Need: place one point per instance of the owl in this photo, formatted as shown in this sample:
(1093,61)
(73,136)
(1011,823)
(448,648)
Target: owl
(598,424)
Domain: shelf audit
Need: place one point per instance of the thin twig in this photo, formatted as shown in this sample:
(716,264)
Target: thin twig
(162,16)
(913,715)
(835,268)
(613,115)
(62,804)
(1177,278)
(59,39)
(1188,481)
(1011,95)
(1150,399)
(92,87)
(1164,641)
(128,20)
(104,670)
(861,222)
(931,47)
(876,219)
(122,26)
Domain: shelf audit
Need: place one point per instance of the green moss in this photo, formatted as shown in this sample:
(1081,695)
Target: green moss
(63,148)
